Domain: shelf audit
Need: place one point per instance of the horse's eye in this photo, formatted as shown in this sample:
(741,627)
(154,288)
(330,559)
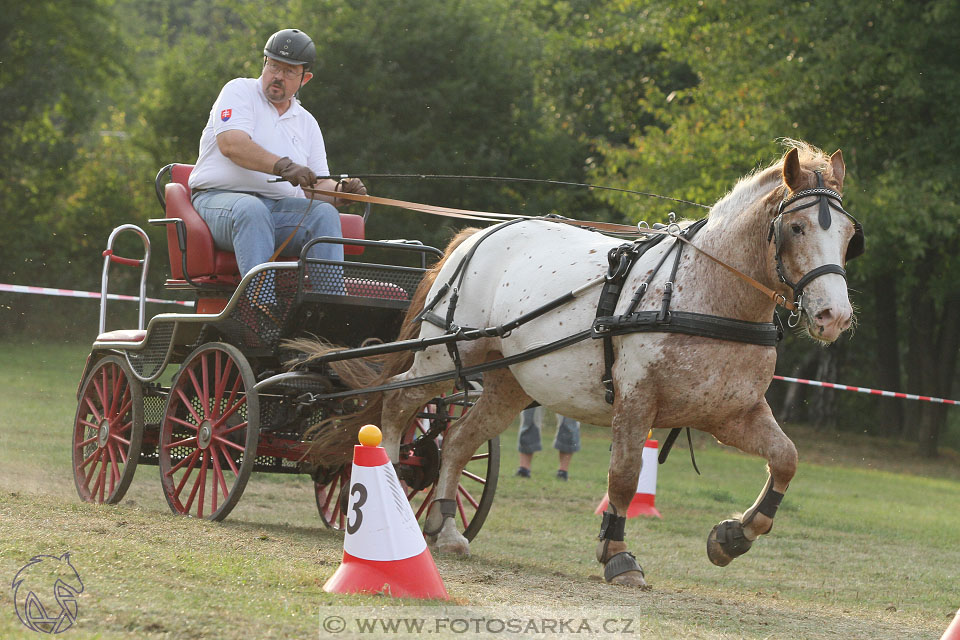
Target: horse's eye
(797,229)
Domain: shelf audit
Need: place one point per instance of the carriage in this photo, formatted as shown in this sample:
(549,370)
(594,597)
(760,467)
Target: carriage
(209,425)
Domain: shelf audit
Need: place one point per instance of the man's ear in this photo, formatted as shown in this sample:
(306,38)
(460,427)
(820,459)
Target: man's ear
(306,78)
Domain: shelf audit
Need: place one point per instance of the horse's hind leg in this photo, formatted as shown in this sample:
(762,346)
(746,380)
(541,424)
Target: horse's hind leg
(400,407)
(759,433)
(502,400)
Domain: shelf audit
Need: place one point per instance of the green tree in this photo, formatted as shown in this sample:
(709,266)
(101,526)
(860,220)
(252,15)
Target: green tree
(878,81)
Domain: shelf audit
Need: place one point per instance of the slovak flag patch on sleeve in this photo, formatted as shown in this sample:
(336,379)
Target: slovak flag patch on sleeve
(225,114)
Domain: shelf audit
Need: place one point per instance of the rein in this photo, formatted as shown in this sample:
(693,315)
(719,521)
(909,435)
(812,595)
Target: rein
(672,230)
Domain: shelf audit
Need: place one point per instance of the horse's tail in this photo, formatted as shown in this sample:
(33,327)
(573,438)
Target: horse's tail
(334,437)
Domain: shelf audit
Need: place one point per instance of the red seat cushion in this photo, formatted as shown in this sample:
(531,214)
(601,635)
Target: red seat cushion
(204,261)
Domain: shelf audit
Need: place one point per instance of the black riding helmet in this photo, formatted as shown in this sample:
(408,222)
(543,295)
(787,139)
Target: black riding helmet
(291,46)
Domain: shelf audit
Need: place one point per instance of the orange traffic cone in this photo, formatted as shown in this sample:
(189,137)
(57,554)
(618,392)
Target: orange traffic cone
(383,550)
(645,497)
(953,631)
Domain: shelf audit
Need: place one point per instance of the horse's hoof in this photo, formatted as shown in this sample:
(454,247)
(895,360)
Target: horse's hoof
(727,541)
(631,579)
(449,540)
(453,547)
(622,568)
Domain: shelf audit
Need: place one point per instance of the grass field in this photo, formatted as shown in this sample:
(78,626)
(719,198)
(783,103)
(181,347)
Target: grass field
(866,545)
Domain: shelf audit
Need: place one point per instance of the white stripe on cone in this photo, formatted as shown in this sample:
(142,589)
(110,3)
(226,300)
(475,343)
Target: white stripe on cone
(388,529)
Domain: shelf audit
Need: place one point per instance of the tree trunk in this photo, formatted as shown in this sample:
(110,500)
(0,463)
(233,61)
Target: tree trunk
(824,401)
(790,408)
(889,411)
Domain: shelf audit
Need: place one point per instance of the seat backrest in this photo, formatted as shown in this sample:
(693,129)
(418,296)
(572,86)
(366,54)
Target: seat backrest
(204,260)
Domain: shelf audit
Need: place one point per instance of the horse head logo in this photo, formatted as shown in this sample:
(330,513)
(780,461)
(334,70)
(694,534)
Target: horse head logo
(45,593)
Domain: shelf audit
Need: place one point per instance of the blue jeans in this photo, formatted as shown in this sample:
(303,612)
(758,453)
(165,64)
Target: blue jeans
(567,439)
(253,227)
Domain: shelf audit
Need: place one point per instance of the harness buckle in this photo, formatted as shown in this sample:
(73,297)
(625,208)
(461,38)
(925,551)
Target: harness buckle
(795,315)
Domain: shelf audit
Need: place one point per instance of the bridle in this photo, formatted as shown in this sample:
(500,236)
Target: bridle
(826,199)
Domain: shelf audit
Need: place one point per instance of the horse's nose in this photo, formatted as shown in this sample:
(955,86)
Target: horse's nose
(828,318)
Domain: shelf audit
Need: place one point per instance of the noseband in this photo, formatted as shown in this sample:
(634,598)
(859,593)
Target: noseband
(826,199)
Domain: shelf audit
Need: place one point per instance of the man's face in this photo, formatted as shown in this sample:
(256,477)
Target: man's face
(280,80)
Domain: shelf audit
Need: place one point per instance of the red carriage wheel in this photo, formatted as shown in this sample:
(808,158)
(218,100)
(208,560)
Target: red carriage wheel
(107,432)
(209,434)
(329,489)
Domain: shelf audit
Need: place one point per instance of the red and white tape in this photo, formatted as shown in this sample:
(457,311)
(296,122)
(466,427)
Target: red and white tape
(71,293)
(875,392)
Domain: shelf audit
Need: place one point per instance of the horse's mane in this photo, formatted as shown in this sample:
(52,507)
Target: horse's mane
(766,184)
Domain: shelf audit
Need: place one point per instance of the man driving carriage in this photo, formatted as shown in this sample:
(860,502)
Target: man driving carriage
(258,129)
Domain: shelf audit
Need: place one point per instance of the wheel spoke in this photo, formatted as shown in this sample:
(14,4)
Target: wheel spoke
(93,409)
(174,468)
(463,515)
(193,492)
(228,443)
(114,468)
(93,468)
(229,412)
(183,422)
(223,377)
(89,459)
(229,459)
(103,471)
(332,490)
(122,451)
(473,476)
(192,465)
(426,501)
(199,391)
(118,380)
(479,456)
(233,391)
(81,445)
(203,482)
(188,405)
(470,498)
(205,398)
(180,443)
(219,482)
(102,389)
(118,438)
(125,408)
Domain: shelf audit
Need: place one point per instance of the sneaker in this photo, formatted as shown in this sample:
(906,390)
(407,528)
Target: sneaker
(562,475)
(523,472)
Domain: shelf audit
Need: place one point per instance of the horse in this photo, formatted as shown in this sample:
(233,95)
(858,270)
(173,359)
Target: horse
(658,380)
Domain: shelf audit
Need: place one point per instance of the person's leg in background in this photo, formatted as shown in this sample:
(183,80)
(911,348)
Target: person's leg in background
(528,439)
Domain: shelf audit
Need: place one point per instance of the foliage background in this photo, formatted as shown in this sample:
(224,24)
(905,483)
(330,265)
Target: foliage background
(680,98)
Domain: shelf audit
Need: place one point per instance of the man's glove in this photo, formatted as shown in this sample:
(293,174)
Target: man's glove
(352,185)
(295,174)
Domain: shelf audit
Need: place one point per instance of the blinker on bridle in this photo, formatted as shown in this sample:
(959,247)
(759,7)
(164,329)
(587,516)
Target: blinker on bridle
(826,199)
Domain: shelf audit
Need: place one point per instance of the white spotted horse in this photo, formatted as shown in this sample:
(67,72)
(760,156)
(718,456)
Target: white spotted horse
(594,329)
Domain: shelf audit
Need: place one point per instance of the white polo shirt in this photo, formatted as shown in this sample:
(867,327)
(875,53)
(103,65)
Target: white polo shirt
(295,134)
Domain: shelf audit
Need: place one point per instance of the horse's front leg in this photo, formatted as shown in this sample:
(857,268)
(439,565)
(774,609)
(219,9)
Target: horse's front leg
(758,433)
(629,429)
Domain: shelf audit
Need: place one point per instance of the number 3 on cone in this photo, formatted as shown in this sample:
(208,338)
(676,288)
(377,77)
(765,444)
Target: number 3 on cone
(361,497)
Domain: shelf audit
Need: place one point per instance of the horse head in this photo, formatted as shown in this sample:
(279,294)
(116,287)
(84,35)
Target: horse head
(813,238)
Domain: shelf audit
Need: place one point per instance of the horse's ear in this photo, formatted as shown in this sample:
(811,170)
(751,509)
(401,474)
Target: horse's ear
(839,168)
(791,170)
